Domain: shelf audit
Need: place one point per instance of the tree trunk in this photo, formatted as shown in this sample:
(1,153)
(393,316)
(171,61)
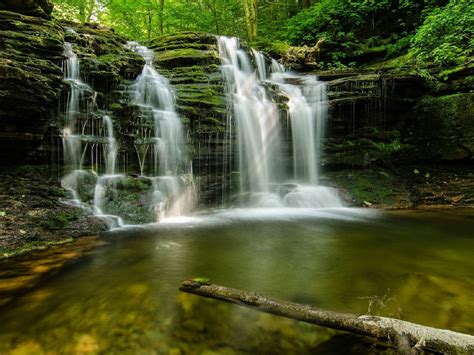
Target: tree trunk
(250,12)
(253,17)
(386,329)
(82,12)
(149,24)
(90,10)
(162,7)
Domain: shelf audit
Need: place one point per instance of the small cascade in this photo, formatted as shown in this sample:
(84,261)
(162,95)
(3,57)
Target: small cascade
(307,112)
(173,187)
(111,147)
(121,195)
(152,92)
(86,133)
(267,179)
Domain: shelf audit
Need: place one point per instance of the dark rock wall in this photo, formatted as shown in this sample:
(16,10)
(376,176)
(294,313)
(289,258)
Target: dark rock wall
(30,81)
(40,8)
(396,139)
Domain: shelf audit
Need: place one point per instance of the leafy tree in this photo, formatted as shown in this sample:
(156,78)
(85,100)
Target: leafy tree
(80,10)
(447,34)
(144,19)
(351,27)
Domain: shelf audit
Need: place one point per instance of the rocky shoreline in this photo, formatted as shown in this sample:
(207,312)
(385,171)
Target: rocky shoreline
(33,214)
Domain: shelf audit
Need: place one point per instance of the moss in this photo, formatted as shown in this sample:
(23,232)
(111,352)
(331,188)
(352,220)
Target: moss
(446,126)
(379,188)
(116,106)
(61,219)
(183,39)
(364,152)
(185,57)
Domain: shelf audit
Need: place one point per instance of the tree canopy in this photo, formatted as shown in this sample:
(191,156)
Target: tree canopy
(437,31)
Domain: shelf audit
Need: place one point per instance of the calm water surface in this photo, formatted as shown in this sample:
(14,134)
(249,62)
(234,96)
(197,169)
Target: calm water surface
(415,265)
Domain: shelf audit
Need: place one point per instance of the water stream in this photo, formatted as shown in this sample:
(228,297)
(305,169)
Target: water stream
(261,141)
(162,186)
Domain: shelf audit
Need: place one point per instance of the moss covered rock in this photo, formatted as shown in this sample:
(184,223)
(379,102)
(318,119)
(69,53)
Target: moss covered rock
(444,127)
(41,8)
(30,81)
(190,61)
(105,61)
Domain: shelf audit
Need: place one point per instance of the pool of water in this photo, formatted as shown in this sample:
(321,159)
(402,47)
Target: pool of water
(416,265)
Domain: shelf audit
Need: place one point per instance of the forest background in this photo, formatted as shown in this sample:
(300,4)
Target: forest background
(427,32)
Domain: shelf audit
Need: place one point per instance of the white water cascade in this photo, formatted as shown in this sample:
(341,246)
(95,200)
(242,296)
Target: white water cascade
(83,139)
(265,180)
(161,188)
(256,119)
(152,91)
(171,177)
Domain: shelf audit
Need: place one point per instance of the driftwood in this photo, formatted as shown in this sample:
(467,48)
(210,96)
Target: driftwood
(304,54)
(393,331)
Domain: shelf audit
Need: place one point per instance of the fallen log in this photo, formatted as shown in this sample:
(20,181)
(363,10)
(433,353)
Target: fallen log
(393,331)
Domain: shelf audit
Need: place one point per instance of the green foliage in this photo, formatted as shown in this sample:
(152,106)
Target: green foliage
(76,10)
(447,34)
(202,280)
(60,219)
(146,19)
(355,31)
(356,27)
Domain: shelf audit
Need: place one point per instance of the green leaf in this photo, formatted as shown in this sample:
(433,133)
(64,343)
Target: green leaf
(202,280)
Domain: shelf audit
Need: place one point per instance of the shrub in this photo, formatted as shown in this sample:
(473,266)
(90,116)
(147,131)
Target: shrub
(446,36)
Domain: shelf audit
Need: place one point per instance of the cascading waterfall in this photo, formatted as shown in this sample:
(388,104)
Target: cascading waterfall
(76,143)
(272,172)
(111,147)
(264,177)
(162,188)
(257,123)
(172,181)
(152,91)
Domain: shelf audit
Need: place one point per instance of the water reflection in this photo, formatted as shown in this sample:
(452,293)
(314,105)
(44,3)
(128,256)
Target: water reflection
(124,298)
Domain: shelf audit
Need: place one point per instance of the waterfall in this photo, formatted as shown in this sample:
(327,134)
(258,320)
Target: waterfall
(82,135)
(256,119)
(111,148)
(172,182)
(265,179)
(152,91)
(162,187)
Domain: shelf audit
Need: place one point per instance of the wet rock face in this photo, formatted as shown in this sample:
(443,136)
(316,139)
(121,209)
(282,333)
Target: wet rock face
(191,63)
(105,62)
(369,116)
(444,129)
(41,8)
(395,119)
(30,81)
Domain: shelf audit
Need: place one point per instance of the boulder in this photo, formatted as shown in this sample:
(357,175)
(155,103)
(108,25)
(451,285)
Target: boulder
(40,8)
